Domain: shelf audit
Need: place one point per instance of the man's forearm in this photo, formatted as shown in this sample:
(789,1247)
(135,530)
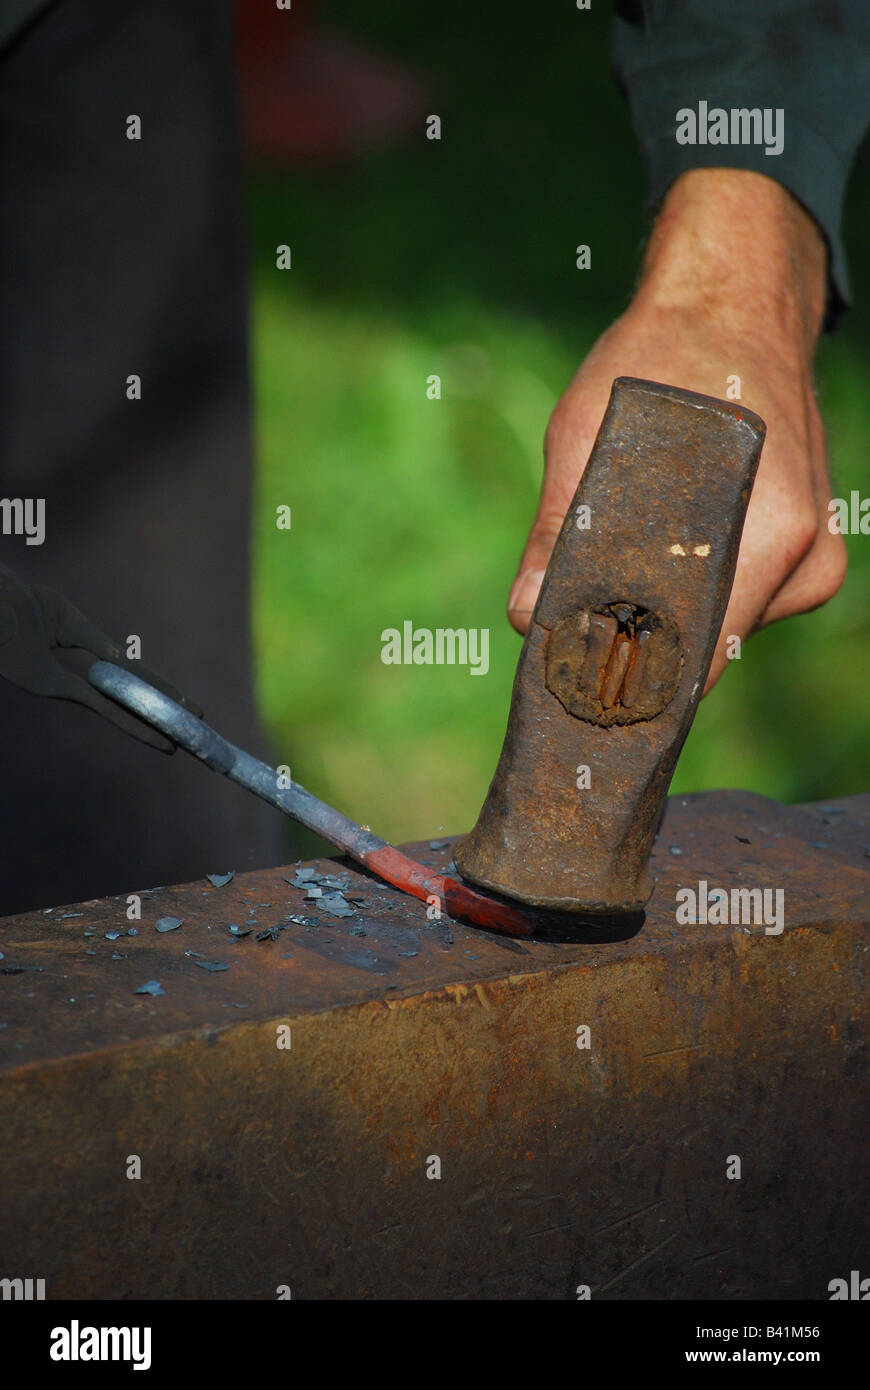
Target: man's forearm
(807,61)
(737,243)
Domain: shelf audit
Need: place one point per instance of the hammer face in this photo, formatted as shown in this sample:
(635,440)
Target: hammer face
(617,652)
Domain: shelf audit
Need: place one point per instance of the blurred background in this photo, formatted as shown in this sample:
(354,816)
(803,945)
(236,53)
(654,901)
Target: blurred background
(414,257)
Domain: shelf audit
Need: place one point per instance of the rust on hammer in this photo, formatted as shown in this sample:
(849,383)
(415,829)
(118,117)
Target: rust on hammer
(617,652)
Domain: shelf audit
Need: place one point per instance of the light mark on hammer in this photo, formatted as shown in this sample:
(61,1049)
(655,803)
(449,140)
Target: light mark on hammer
(703,550)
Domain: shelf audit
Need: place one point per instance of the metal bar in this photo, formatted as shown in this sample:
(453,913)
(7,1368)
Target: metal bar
(448,893)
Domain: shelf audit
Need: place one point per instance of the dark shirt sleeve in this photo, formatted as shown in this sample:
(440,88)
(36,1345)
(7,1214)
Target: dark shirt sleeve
(15,15)
(808,58)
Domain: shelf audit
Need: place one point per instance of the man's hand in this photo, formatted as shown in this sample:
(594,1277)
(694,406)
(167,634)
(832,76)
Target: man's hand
(733,284)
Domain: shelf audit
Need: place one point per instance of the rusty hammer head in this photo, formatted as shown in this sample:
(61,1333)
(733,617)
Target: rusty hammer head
(617,652)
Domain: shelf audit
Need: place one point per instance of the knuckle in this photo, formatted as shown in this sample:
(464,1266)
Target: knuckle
(546,528)
(833,566)
(801,534)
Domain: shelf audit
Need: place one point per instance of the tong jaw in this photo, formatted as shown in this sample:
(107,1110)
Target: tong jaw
(34,623)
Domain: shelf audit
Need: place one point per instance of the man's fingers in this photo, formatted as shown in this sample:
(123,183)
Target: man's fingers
(566,449)
(821,566)
(523,597)
(530,575)
(816,580)
(741,617)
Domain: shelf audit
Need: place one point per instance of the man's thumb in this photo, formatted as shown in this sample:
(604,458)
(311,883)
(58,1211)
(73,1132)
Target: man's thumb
(527,585)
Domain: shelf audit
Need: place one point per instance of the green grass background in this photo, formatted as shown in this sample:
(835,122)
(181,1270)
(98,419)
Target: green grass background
(457,258)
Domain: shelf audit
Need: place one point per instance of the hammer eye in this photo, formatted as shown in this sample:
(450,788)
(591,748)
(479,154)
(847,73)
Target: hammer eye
(625,614)
(618,665)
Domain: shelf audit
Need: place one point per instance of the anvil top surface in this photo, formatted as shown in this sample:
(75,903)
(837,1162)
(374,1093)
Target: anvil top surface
(66,989)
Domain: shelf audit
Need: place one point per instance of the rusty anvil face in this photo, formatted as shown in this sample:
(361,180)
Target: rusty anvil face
(617,652)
